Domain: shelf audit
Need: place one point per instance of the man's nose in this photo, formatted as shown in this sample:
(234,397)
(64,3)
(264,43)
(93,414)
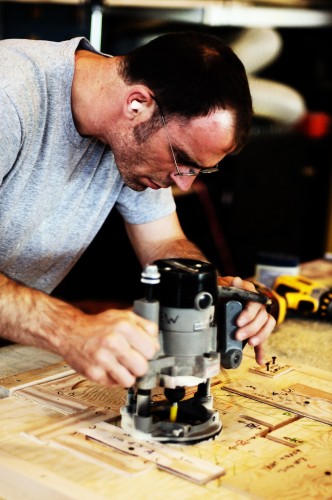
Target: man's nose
(183,183)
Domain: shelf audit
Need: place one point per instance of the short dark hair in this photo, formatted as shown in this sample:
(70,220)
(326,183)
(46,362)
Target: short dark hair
(192,74)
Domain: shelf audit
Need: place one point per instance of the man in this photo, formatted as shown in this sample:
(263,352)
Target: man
(82,132)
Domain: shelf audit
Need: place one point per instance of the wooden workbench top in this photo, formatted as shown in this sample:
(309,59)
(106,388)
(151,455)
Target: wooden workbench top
(60,435)
(55,444)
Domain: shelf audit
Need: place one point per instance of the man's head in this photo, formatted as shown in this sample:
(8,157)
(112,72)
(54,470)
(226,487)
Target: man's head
(190,75)
(178,106)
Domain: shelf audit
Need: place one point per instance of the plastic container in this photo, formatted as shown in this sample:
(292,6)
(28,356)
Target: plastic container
(270,265)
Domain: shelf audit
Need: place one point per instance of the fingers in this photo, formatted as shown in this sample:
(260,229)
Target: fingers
(259,354)
(113,347)
(254,322)
(140,334)
(225,280)
(103,377)
(111,370)
(245,285)
(257,331)
(125,352)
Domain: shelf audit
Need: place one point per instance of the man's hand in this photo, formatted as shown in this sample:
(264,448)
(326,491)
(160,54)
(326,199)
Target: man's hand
(254,322)
(112,347)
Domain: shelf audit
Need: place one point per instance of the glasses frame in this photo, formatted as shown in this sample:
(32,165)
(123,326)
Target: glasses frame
(193,171)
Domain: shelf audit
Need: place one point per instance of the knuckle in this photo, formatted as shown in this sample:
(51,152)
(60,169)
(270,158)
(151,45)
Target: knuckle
(151,350)
(127,380)
(95,373)
(113,342)
(141,369)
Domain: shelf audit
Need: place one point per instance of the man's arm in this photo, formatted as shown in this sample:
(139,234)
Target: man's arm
(164,238)
(161,239)
(110,347)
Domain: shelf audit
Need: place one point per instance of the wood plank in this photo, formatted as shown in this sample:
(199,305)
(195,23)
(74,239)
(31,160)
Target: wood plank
(48,399)
(16,357)
(301,405)
(165,457)
(99,453)
(302,433)
(37,483)
(70,423)
(251,410)
(80,389)
(312,392)
(24,379)
(277,471)
(17,415)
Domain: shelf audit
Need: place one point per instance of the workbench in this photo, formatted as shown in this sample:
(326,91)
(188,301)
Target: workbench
(60,435)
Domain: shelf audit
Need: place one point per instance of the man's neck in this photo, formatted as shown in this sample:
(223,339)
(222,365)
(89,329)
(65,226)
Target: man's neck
(94,84)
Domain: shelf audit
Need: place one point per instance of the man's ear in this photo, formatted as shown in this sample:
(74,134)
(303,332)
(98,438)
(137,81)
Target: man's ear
(139,103)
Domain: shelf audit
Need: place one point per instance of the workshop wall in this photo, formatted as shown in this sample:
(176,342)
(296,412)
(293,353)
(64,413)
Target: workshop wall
(44,21)
(273,196)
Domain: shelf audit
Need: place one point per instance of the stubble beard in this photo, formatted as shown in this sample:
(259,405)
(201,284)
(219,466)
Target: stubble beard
(131,160)
(128,166)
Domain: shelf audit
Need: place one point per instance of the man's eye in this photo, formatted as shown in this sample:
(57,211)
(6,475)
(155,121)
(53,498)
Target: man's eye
(184,162)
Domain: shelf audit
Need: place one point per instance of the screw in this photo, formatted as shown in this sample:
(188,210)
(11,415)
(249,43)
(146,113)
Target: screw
(274,359)
(268,366)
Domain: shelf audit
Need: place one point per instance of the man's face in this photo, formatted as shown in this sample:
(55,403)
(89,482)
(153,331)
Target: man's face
(197,143)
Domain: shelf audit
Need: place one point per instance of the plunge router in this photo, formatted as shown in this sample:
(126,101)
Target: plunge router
(197,325)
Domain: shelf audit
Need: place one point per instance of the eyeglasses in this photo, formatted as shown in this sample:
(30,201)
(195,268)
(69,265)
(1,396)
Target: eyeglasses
(190,171)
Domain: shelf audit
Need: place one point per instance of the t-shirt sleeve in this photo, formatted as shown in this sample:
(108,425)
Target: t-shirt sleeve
(145,206)
(10,134)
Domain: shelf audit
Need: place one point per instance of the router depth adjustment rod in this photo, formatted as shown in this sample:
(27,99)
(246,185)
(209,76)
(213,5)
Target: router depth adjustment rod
(147,308)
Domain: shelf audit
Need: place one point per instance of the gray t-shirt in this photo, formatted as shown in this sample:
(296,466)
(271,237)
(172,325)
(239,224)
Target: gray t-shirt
(56,187)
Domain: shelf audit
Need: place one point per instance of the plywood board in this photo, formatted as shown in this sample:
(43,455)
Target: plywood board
(302,433)
(271,472)
(306,406)
(97,452)
(253,411)
(267,452)
(69,467)
(34,483)
(311,392)
(16,357)
(165,457)
(78,388)
(71,423)
(24,379)
(17,415)
(64,405)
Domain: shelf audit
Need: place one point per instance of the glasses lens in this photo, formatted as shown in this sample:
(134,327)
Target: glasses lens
(191,172)
(211,170)
(187,171)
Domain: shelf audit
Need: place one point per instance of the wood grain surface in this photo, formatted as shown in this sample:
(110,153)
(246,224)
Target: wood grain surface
(52,443)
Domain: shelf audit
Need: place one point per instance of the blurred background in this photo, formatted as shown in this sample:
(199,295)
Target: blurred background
(275,196)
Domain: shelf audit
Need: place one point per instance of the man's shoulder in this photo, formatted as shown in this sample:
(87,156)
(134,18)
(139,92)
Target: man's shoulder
(38,50)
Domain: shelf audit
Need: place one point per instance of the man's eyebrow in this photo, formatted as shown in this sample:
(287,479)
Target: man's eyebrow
(184,157)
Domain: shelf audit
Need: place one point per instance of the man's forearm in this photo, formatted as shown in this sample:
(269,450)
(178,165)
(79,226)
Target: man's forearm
(31,317)
(110,347)
(177,248)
